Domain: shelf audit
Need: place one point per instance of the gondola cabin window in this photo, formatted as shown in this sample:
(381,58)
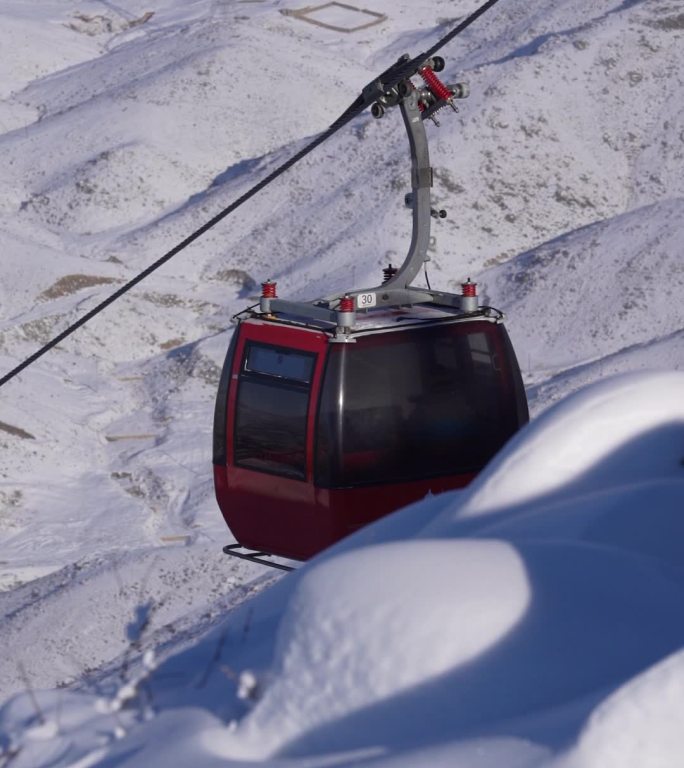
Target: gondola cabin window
(414,404)
(272,406)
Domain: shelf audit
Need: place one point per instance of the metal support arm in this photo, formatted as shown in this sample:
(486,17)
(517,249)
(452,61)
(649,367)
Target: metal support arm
(421,183)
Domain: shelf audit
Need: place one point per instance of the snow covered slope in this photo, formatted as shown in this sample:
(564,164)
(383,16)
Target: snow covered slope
(532,619)
(124,126)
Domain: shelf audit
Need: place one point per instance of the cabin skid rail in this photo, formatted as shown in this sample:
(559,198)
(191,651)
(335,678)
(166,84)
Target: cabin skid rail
(254,556)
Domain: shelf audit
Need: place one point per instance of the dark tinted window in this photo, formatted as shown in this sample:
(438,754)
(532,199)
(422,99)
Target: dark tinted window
(282,363)
(272,405)
(414,404)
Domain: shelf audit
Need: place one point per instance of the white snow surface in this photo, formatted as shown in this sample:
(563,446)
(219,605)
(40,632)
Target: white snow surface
(532,619)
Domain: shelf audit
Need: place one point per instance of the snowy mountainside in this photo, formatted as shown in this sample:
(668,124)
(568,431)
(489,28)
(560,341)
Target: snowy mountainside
(121,132)
(602,299)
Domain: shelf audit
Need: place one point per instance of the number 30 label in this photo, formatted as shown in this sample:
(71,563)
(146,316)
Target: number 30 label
(365,300)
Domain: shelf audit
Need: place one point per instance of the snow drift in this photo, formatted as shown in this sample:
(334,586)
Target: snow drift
(503,624)
(518,636)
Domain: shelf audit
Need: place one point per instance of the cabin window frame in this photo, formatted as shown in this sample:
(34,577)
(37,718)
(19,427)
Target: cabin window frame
(268,427)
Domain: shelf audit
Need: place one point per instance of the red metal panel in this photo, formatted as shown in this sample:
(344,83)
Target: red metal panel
(272,513)
(351,508)
(267,511)
(293,519)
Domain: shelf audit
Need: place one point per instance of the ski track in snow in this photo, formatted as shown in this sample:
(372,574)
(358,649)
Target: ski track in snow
(121,133)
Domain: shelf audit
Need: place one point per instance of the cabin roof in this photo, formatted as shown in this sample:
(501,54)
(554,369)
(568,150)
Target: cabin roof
(384,318)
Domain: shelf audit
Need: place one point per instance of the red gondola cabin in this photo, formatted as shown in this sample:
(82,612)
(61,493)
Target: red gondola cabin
(335,412)
(314,439)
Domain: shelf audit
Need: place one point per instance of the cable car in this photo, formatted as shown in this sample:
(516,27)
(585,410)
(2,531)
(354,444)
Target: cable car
(333,413)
